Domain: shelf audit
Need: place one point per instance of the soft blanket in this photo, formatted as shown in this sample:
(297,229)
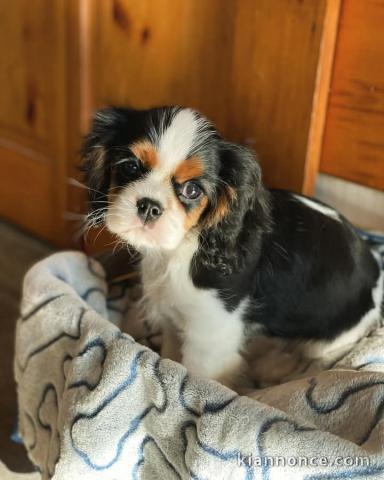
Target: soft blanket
(96,404)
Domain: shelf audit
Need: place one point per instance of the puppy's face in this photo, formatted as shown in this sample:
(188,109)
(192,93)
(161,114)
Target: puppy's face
(158,176)
(155,175)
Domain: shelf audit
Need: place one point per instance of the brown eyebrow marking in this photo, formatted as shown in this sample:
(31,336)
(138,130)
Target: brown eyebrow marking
(190,168)
(192,217)
(227,196)
(146,152)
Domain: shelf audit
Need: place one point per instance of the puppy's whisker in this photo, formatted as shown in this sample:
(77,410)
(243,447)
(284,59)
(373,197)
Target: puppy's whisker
(78,184)
(126,201)
(75,183)
(97,210)
(99,233)
(106,200)
(92,222)
(119,245)
(94,216)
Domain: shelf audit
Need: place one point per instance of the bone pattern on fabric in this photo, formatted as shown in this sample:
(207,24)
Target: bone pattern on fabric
(95,404)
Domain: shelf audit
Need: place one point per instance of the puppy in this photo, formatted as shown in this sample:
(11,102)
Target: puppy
(223,257)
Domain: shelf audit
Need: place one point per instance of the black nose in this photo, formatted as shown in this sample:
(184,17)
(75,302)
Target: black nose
(148,210)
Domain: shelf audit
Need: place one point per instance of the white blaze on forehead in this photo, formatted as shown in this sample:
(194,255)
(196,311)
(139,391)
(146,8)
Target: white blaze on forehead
(152,186)
(176,142)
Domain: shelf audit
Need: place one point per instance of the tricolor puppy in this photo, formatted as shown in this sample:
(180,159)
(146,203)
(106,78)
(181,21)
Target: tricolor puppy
(222,256)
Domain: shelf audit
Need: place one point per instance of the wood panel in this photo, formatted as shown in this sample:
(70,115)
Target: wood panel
(253,67)
(32,114)
(26,191)
(321,94)
(30,43)
(354,136)
(72,197)
(250,66)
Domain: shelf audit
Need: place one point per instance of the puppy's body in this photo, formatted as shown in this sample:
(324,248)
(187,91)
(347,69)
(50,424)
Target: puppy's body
(313,277)
(210,334)
(287,291)
(223,256)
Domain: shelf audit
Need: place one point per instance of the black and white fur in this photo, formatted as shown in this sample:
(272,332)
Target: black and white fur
(237,259)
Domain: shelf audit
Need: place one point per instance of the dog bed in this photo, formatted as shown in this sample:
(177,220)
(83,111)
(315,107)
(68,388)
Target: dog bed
(96,404)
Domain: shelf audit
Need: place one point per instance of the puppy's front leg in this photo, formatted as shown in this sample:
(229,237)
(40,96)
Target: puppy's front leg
(171,345)
(211,347)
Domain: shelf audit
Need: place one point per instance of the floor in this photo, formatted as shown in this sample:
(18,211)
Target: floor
(18,251)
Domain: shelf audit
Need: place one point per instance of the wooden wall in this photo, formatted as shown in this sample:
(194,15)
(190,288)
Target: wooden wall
(252,66)
(32,112)
(354,136)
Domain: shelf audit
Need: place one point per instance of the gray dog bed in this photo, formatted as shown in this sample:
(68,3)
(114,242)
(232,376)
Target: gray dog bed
(96,404)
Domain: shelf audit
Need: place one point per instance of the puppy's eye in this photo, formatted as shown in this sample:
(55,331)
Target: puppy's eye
(191,191)
(129,166)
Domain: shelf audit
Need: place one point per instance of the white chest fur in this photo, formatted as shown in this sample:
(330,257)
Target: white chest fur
(211,336)
(168,289)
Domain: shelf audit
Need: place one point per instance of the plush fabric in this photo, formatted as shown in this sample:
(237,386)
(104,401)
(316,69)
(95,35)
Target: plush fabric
(96,404)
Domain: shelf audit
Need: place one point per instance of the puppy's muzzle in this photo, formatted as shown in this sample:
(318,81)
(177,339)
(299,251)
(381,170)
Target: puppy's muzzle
(148,210)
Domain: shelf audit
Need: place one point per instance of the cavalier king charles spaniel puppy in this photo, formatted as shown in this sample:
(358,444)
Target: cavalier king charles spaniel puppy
(224,258)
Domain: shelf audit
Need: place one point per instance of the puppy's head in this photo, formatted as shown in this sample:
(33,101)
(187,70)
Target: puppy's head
(157,176)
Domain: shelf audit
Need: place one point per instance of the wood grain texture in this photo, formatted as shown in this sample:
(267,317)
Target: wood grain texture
(354,136)
(321,95)
(33,115)
(73,197)
(30,69)
(26,191)
(249,66)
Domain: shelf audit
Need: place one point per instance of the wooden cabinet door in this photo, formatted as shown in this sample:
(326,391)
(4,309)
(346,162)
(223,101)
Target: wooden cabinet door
(250,66)
(258,69)
(354,135)
(32,114)
(253,67)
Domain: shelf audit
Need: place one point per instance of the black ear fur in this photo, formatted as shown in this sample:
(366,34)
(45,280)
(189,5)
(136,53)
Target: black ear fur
(225,246)
(95,167)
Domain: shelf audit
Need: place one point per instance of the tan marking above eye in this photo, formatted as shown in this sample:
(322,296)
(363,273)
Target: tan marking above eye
(192,217)
(227,196)
(146,152)
(188,169)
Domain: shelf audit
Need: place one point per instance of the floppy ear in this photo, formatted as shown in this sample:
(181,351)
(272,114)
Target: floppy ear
(97,174)
(239,215)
